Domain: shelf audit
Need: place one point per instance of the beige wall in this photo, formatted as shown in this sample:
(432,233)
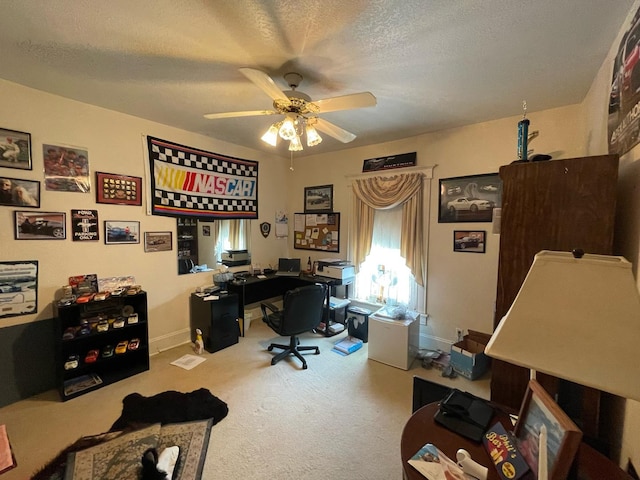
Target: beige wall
(627,233)
(115,145)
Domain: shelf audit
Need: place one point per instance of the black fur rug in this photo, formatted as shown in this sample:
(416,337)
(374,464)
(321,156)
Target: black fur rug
(138,412)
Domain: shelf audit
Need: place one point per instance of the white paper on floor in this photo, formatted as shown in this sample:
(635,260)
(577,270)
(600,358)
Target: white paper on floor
(188,361)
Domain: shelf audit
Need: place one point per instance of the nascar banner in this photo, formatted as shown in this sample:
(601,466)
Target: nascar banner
(189,182)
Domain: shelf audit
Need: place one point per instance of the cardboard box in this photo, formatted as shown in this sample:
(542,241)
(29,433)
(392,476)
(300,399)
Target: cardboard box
(468,358)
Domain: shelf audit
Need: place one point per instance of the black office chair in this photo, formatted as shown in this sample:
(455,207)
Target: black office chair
(301,312)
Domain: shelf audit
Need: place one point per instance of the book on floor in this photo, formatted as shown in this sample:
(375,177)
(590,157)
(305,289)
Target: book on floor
(348,345)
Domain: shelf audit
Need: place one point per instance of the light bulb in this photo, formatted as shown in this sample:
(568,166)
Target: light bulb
(288,129)
(295,145)
(313,138)
(271,135)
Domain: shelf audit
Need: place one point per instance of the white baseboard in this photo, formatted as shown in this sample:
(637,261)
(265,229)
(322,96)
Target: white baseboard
(170,340)
(430,342)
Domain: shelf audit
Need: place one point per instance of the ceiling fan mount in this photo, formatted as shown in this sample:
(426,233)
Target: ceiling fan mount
(299,107)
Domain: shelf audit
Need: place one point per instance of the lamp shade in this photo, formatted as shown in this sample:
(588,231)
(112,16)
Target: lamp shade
(577,319)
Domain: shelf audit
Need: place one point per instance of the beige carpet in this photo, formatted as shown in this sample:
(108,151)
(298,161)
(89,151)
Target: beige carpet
(342,418)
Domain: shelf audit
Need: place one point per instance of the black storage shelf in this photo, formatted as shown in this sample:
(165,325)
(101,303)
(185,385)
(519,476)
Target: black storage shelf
(79,380)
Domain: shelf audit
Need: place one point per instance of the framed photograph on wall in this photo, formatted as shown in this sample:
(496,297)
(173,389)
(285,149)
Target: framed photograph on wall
(15,149)
(121,231)
(118,189)
(472,241)
(19,295)
(66,168)
(563,436)
(31,225)
(469,199)
(157,241)
(318,199)
(15,192)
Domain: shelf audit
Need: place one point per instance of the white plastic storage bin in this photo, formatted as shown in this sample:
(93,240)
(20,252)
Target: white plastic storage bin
(393,342)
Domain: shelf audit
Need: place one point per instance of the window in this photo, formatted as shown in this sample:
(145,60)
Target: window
(384,278)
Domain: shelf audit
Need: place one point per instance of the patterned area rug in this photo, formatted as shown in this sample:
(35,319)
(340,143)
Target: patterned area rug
(119,458)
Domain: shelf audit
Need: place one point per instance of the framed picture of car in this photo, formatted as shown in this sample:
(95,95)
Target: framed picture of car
(469,199)
(18,288)
(318,199)
(157,241)
(15,149)
(31,225)
(472,241)
(121,231)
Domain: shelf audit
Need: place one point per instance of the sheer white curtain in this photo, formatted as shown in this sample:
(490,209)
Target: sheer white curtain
(232,235)
(384,278)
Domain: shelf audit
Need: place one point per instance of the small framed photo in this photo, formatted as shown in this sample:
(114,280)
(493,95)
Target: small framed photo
(469,199)
(119,232)
(32,225)
(15,192)
(118,189)
(15,149)
(66,168)
(472,241)
(563,436)
(157,241)
(318,199)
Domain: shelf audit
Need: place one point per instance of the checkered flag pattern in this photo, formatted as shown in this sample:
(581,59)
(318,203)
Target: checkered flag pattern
(181,170)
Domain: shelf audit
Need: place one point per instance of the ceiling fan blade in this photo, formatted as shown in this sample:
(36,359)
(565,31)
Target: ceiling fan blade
(264,82)
(249,113)
(334,131)
(346,102)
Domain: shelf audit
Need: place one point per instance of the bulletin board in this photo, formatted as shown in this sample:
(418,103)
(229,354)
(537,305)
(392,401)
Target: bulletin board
(317,231)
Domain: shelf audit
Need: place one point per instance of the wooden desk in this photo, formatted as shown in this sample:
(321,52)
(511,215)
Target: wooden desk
(421,429)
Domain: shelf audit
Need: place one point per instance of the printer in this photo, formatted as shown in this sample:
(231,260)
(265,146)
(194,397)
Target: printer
(231,258)
(340,270)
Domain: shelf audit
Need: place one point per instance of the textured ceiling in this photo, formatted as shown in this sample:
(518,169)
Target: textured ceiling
(432,64)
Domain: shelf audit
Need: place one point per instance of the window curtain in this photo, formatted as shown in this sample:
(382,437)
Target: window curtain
(385,192)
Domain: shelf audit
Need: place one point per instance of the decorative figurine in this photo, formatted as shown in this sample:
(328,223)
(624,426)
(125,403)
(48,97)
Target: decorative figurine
(198,347)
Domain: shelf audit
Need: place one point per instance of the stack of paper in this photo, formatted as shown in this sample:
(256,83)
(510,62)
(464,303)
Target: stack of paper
(348,345)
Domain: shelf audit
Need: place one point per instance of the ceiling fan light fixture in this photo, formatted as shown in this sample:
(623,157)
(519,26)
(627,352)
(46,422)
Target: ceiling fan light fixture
(287,130)
(313,137)
(295,145)
(271,135)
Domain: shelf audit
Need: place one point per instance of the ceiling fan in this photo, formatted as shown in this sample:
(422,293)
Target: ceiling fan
(301,113)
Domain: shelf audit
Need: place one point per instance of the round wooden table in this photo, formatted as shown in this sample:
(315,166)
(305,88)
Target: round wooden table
(421,428)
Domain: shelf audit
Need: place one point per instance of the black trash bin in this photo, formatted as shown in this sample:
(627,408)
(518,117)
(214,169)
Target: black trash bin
(358,323)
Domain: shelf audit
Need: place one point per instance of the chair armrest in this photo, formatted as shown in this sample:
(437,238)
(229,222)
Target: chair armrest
(270,306)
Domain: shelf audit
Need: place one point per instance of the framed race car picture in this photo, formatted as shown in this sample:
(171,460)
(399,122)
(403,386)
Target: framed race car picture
(472,241)
(18,288)
(36,225)
(118,232)
(469,199)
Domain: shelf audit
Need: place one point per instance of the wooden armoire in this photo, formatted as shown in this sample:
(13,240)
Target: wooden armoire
(552,205)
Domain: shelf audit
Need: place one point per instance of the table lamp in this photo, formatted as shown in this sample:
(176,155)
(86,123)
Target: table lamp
(576,317)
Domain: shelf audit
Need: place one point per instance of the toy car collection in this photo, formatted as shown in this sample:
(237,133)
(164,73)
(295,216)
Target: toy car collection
(122,347)
(107,351)
(132,319)
(72,362)
(118,323)
(134,344)
(102,325)
(92,356)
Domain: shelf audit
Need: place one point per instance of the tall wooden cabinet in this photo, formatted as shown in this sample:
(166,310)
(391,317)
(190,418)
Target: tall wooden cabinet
(554,205)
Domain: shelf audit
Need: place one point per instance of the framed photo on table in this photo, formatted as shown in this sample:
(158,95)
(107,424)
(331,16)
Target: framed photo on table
(563,436)
(15,149)
(318,199)
(118,189)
